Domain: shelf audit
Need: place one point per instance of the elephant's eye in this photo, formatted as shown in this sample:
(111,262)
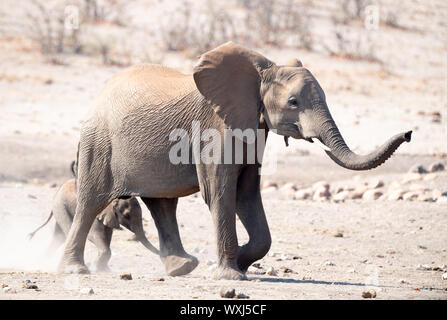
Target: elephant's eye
(293,101)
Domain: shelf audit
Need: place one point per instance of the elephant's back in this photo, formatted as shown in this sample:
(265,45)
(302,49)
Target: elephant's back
(147,82)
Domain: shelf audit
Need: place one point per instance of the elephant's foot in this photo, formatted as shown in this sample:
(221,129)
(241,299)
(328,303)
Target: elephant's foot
(75,268)
(229,273)
(179,265)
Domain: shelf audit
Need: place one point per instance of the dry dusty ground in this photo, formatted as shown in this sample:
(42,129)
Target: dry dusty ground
(384,243)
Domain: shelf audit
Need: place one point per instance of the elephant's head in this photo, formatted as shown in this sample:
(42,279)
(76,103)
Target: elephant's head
(127,212)
(241,84)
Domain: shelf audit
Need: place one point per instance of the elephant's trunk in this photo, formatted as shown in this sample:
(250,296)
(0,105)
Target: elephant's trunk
(343,156)
(142,238)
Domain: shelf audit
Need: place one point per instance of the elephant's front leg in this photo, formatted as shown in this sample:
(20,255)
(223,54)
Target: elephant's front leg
(177,262)
(219,193)
(250,211)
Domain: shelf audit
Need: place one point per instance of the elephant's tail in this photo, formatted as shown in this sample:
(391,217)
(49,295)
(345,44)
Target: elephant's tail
(31,235)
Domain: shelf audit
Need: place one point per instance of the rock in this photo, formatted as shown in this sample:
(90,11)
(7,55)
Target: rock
(411,196)
(444,276)
(436,167)
(242,296)
(87,291)
(418,169)
(257,271)
(322,193)
(351,270)
(376,183)
(369,294)
(9,290)
(341,196)
(269,184)
(436,194)
(288,190)
(329,263)
(303,194)
(286,270)
(337,235)
(32,196)
(126,276)
(320,184)
(272,254)
(271,272)
(395,195)
(372,194)
(424,267)
(158,279)
(403,281)
(391,251)
(227,293)
(29,285)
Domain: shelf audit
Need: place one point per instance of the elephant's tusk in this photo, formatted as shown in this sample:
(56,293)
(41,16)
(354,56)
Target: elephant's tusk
(321,144)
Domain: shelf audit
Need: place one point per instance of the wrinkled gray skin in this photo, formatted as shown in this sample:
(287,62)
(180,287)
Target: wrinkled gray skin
(124,149)
(119,212)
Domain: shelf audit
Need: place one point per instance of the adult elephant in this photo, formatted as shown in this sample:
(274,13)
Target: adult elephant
(124,149)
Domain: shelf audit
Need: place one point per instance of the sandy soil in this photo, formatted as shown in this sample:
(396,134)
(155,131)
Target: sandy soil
(397,248)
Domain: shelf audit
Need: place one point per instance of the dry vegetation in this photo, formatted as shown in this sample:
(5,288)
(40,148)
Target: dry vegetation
(107,28)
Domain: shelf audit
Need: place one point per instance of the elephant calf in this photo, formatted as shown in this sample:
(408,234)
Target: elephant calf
(125,212)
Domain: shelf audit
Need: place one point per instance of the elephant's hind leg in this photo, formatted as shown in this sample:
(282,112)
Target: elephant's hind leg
(174,257)
(87,209)
(101,236)
(57,240)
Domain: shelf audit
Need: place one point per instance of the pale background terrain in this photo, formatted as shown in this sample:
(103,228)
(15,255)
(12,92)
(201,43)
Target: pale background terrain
(378,82)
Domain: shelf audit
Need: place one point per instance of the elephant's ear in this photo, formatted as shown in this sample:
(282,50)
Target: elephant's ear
(294,62)
(229,78)
(108,216)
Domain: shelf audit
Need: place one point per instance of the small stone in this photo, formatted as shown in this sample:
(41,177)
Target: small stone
(242,296)
(158,279)
(32,196)
(418,169)
(403,281)
(329,263)
(271,272)
(436,167)
(227,293)
(87,291)
(286,270)
(296,258)
(376,183)
(352,270)
(253,270)
(341,196)
(424,267)
(337,234)
(29,285)
(303,194)
(369,294)
(391,251)
(444,276)
(411,196)
(373,194)
(126,276)
(395,195)
(269,184)
(322,193)
(4,285)
(9,290)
